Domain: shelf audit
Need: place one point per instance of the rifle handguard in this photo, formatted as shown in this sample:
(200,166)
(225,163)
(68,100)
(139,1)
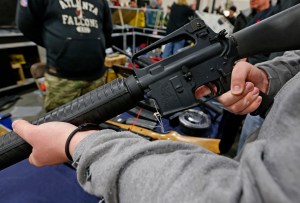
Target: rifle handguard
(94,107)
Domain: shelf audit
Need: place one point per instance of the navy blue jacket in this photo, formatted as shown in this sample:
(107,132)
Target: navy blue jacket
(75,34)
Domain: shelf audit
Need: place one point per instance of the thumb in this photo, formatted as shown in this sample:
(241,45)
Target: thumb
(238,77)
(23,129)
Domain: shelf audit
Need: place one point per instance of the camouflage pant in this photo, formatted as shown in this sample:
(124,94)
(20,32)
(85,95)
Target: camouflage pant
(60,91)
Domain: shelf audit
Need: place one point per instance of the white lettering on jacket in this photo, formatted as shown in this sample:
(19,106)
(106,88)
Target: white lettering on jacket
(73,4)
(83,24)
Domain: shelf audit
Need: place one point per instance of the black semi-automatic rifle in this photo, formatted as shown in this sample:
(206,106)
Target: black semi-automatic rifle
(172,81)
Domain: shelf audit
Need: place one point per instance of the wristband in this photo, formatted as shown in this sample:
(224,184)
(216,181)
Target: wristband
(82,127)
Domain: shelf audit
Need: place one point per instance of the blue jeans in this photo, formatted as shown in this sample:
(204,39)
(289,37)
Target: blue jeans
(172,48)
(251,124)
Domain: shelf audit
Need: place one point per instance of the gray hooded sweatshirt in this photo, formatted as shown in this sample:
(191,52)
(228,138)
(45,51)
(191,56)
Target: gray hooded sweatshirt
(123,167)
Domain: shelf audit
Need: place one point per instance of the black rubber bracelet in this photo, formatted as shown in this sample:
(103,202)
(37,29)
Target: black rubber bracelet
(82,127)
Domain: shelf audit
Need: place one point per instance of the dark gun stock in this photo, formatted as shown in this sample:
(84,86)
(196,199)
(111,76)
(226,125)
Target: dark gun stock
(181,74)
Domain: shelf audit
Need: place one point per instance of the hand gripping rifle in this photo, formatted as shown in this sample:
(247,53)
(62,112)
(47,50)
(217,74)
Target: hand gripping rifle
(171,82)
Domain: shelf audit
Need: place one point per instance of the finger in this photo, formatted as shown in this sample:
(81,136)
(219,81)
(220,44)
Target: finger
(35,158)
(205,90)
(255,104)
(32,160)
(228,99)
(245,102)
(238,77)
(201,92)
(23,128)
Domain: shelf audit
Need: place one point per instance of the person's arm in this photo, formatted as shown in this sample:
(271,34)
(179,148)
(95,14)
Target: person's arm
(124,167)
(29,19)
(127,168)
(48,140)
(247,80)
(281,69)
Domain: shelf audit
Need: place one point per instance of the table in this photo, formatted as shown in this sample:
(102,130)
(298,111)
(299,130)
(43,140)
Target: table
(22,183)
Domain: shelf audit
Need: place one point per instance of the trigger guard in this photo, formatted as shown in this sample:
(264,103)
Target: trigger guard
(212,92)
(220,88)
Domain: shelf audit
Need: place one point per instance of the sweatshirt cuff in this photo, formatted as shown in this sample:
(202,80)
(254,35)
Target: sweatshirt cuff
(274,80)
(87,141)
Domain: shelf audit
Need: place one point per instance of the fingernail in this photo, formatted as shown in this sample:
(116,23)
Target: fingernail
(13,125)
(236,89)
(249,86)
(255,91)
(259,99)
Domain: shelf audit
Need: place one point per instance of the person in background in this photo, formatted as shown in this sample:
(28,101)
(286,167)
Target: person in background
(167,16)
(124,167)
(282,4)
(243,18)
(206,9)
(219,10)
(153,14)
(115,3)
(181,13)
(263,9)
(75,37)
(159,3)
(231,16)
(194,5)
(139,19)
(132,4)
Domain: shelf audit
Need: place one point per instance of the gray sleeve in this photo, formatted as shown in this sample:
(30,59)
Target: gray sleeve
(281,69)
(123,167)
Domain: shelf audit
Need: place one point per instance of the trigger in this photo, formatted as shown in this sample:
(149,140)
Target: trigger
(210,87)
